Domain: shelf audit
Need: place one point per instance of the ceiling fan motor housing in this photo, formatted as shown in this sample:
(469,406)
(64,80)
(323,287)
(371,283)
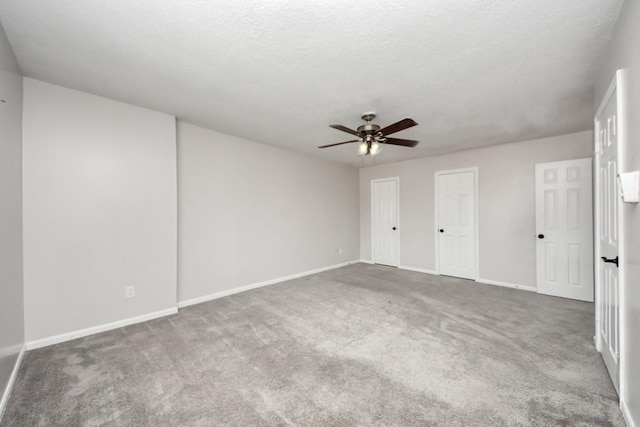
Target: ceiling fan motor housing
(368,129)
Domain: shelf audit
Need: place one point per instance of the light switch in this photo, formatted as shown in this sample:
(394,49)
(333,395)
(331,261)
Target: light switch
(629,186)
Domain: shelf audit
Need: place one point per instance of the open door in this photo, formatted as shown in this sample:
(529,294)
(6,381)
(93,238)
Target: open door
(608,130)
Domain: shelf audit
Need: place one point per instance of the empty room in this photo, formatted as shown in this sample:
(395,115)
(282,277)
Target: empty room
(239,213)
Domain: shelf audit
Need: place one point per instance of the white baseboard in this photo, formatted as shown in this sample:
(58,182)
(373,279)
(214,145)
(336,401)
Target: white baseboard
(507,285)
(419,270)
(31,345)
(210,297)
(485,281)
(626,414)
(405,267)
(12,380)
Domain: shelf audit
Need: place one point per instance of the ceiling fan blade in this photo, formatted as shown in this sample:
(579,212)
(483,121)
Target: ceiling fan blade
(403,142)
(345,129)
(339,143)
(398,126)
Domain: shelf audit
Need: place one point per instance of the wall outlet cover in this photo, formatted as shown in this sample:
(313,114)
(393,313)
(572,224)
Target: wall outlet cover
(129,292)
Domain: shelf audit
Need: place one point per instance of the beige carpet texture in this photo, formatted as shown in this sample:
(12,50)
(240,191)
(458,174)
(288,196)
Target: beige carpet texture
(363,345)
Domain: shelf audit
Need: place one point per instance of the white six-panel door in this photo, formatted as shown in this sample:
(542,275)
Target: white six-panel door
(608,230)
(384,221)
(456,223)
(564,227)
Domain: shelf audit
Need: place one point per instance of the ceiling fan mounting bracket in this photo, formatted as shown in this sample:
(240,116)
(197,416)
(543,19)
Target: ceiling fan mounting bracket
(368,116)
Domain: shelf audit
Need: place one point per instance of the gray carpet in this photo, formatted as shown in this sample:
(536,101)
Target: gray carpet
(361,345)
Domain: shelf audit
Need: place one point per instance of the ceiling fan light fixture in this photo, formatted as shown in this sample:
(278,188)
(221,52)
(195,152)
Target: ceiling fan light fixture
(375,148)
(363,149)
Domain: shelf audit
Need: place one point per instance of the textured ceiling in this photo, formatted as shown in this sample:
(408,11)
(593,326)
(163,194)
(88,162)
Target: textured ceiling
(471,73)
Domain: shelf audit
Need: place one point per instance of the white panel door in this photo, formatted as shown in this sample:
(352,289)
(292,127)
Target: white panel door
(456,221)
(384,211)
(564,226)
(608,238)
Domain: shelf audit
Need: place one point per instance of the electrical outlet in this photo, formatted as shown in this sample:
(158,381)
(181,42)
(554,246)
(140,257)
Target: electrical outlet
(129,292)
(339,251)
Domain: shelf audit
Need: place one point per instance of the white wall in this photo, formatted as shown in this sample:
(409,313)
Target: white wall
(624,52)
(506,204)
(11,302)
(251,213)
(100,210)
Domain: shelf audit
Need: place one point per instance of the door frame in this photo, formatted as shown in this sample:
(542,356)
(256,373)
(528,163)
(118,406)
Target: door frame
(619,86)
(373,182)
(475,170)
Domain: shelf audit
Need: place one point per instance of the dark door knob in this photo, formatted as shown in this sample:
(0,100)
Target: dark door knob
(540,236)
(394,228)
(442,230)
(611,260)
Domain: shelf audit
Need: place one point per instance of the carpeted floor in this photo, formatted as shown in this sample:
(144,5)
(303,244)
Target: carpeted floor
(361,345)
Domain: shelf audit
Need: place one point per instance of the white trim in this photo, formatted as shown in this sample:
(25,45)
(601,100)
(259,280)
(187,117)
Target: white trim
(476,176)
(32,345)
(485,281)
(210,297)
(365,261)
(374,181)
(625,413)
(419,270)
(507,285)
(12,379)
(623,120)
(607,94)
